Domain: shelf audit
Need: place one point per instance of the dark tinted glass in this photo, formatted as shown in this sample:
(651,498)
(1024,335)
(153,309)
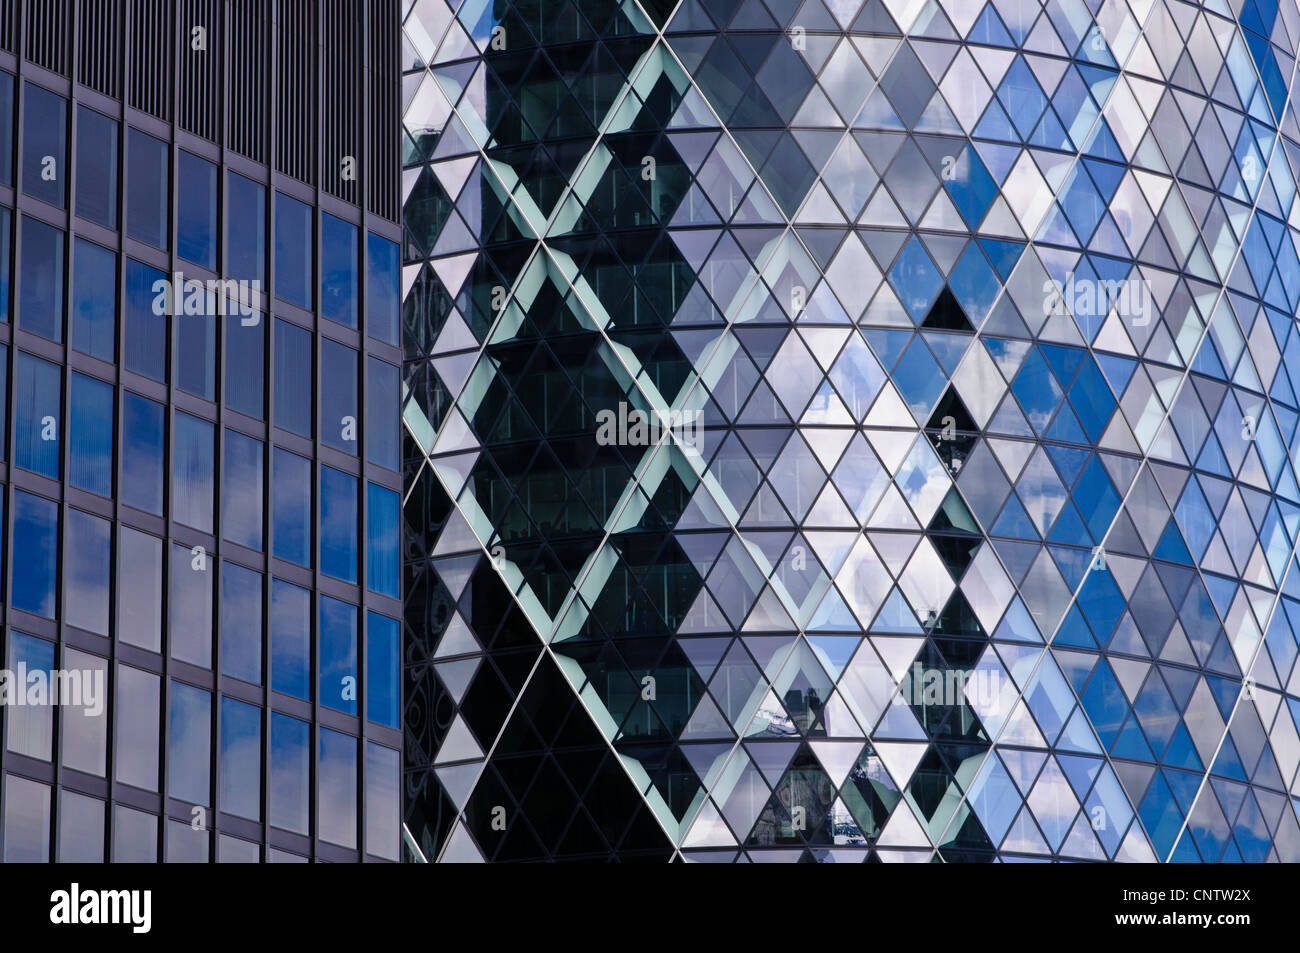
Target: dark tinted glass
(338,524)
(246,364)
(339,265)
(338,655)
(241,623)
(196,347)
(383,426)
(383,288)
(93,319)
(38,414)
(96,167)
(146,189)
(293,251)
(192,468)
(144,348)
(241,491)
(245,229)
(40,280)
(6,129)
(290,639)
(143,423)
(196,196)
(36,536)
(90,435)
(291,496)
(338,410)
(45,145)
(293,390)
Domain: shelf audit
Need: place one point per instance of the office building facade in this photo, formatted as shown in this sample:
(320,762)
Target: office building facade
(201,455)
(851,430)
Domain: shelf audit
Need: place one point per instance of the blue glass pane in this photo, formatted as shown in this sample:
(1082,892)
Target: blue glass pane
(192,472)
(6,226)
(338,524)
(196,196)
(383,425)
(293,385)
(241,623)
(291,507)
(338,655)
(383,656)
(30,728)
(189,616)
(90,435)
(139,590)
(45,144)
(337,774)
(246,364)
(290,773)
(36,537)
(38,412)
(241,760)
(40,280)
(338,396)
(383,801)
(241,491)
(383,543)
(87,564)
(93,319)
(189,743)
(290,639)
(293,251)
(96,167)
(142,453)
(338,280)
(6,129)
(196,344)
(383,288)
(245,229)
(144,346)
(147,184)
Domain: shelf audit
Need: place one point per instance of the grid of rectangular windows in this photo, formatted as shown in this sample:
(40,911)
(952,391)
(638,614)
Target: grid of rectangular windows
(199,396)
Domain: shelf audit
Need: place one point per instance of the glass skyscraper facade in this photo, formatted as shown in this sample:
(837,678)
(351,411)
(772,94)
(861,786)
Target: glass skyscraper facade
(851,430)
(199,287)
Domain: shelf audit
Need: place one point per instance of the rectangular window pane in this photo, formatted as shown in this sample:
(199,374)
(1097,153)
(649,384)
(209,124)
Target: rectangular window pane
(241,623)
(383,288)
(135,734)
(5,255)
(40,280)
(383,546)
(192,472)
(30,727)
(90,435)
(383,425)
(189,741)
(338,655)
(96,167)
(338,279)
(291,507)
(185,845)
(290,639)
(246,364)
(241,760)
(293,366)
(36,537)
(293,251)
(338,396)
(93,327)
(338,524)
(189,616)
(135,836)
(383,801)
(196,197)
(245,229)
(196,344)
(27,821)
(338,788)
(142,453)
(81,828)
(38,394)
(87,563)
(383,648)
(84,726)
(6,129)
(139,589)
(241,491)
(290,770)
(144,347)
(146,189)
(45,144)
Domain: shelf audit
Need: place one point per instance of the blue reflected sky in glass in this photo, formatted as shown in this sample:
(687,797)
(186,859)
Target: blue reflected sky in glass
(241,623)
(92,327)
(338,655)
(87,565)
(338,524)
(383,656)
(240,769)
(90,435)
(38,415)
(339,264)
(383,541)
(290,639)
(40,279)
(189,743)
(241,491)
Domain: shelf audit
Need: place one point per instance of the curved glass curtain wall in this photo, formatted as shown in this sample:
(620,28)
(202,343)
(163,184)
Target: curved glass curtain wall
(976,538)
